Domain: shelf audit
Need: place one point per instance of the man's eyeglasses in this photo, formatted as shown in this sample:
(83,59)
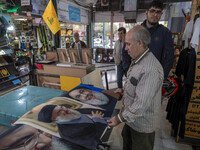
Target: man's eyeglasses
(28,144)
(153,11)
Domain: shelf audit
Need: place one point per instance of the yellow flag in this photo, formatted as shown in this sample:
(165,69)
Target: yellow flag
(50,17)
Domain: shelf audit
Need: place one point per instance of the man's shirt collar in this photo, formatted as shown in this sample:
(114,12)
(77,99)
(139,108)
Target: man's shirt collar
(141,56)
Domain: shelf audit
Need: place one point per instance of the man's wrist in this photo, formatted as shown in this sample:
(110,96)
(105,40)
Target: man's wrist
(120,118)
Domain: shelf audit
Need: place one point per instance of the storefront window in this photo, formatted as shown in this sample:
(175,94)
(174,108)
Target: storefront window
(102,32)
(67,32)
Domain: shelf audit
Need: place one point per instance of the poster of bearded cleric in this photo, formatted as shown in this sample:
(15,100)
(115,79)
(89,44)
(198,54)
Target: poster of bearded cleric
(94,96)
(74,124)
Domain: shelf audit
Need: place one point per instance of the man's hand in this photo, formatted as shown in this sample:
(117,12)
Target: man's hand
(120,92)
(97,114)
(113,121)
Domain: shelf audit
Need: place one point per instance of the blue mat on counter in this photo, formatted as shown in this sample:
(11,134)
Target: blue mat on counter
(16,103)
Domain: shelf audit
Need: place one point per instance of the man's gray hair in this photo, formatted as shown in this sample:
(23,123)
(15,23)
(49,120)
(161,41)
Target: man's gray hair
(140,33)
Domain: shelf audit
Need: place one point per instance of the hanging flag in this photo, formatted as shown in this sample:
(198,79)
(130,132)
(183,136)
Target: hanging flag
(50,18)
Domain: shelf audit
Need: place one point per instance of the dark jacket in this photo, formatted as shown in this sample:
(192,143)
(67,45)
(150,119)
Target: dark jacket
(186,66)
(83,45)
(161,46)
(84,131)
(126,60)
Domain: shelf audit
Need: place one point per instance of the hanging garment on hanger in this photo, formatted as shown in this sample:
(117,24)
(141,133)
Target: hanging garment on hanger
(188,32)
(195,37)
(186,68)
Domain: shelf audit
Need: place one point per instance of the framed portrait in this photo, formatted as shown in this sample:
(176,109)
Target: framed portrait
(62,53)
(176,36)
(63,42)
(73,55)
(86,56)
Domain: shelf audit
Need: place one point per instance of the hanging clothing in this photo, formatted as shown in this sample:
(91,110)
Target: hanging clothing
(178,104)
(188,32)
(195,37)
(173,108)
(186,66)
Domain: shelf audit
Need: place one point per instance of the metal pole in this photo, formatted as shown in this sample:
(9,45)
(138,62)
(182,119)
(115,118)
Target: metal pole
(111,30)
(106,78)
(56,35)
(104,34)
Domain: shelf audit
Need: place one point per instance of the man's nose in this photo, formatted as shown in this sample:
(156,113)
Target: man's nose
(155,14)
(126,48)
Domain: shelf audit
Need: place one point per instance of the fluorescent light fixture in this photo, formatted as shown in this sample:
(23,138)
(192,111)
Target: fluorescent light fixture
(10,28)
(20,19)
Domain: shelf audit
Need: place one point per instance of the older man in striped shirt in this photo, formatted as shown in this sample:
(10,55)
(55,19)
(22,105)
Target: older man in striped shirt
(141,95)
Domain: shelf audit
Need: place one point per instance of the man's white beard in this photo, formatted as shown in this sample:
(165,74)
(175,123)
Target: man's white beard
(57,145)
(68,117)
(102,99)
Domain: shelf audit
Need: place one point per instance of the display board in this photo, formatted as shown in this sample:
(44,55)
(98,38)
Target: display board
(62,55)
(86,56)
(73,55)
(192,124)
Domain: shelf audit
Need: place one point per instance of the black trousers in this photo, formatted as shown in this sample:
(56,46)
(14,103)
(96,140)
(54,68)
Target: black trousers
(133,140)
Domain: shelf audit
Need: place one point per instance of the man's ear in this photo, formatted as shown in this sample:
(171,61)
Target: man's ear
(146,12)
(140,42)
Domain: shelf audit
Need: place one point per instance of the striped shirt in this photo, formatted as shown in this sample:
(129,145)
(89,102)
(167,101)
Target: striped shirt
(142,93)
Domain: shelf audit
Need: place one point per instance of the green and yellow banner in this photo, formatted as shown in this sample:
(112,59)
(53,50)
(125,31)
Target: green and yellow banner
(50,18)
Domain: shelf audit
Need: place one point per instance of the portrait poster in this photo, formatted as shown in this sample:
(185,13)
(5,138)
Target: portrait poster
(74,55)
(86,56)
(63,42)
(77,129)
(94,96)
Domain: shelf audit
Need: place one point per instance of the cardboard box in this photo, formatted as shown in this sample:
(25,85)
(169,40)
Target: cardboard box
(51,72)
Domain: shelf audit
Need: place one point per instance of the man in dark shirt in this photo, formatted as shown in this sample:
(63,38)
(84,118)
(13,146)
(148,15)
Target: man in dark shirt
(161,38)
